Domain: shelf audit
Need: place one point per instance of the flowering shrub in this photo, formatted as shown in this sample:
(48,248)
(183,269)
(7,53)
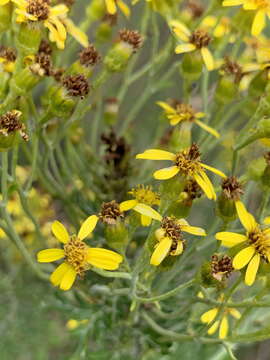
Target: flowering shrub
(158,254)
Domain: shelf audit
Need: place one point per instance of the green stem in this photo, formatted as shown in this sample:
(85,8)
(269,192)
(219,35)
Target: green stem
(111,274)
(4,177)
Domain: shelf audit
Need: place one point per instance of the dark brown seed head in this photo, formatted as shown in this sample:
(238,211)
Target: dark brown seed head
(200,38)
(89,56)
(193,191)
(194,153)
(10,123)
(39,8)
(131,37)
(76,85)
(45,63)
(110,213)
(196,8)
(221,267)
(8,53)
(172,228)
(45,47)
(231,188)
(111,19)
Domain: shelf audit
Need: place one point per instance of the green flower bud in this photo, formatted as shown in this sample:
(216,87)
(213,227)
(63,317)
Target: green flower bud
(104,32)
(206,279)
(28,38)
(24,81)
(117,236)
(96,10)
(5,17)
(256,169)
(4,80)
(181,137)
(257,85)
(111,111)
(191,66)
(88,58)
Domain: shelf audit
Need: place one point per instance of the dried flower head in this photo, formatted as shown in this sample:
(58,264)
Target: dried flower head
(76,85)
(10,123)
(131,37)
(196,8)
(221,267)
(45,47)
(7,53)
(231,188)
(89,56)
(192,191)
(110,213)
(232,68)
(39,9)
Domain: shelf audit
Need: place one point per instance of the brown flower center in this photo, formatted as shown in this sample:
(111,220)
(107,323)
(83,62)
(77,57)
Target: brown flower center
(131,37)
(10,123)
(89,56)
(76,85)
(200,38)
(110,212)
(221,267)
(261,242)
(232,189)
(188,160)
(172,229)
(39,8)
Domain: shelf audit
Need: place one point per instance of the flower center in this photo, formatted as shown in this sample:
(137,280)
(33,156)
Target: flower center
(188,160)
(200,38)
(110,212)
(39,8)
(76,255)
(261,242)
(146,195)
(186,112)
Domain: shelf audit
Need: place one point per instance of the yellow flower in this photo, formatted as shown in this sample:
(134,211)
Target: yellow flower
(257,240)
(223,324)
(54,19)
(262,8)
(144,195)
(184,112)
(78,256)
(191,41)
(170,238)
(4,2)
(186,163)
(7,58)
(111,6)
(220,27)
(73,324)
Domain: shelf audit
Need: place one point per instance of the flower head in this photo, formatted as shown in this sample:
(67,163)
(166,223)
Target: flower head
(144,195)
(54,18)
(261,7)
(256,241)
(77,255)
(112,5)
(191,41)
(7,58)
(186,163)
(223,323)
(110,212)
(170,238)
(183,112)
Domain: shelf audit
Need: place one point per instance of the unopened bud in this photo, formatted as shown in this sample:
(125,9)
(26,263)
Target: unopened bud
(28,38)
(5,17)
(191,66)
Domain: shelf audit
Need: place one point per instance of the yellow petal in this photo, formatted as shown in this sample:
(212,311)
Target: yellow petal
(209,316)
(200,115)
(179,27)
(193,230)
(266,220)
(206,185)
(4,2)
(146,210)
(184,48)
(145,220)
(104,259)
(213,328)
(232,2)
(230,239)
(214,170)
(111,6)
(258,23)
(245,217)
(207,128)
(252,269)
(127,205)
(60,232)
(235,313)
(243,257)
(224,328)
(208,58)
(58,274)
(68,279)
(87,226)
(166,173)
(161,251)
(57,10)
(166,107)
(76,32)
(160,234)
(124,8)
(156,154)
(49,255)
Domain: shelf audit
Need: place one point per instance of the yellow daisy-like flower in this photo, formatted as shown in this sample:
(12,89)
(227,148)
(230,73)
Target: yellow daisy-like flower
(111,6)
(191,41)
(184,112)
(144,195)
(257,239)
(54,19)
(221,27)
(262,9)
(223,324)
(170,238)
(78,256)
(187,163)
